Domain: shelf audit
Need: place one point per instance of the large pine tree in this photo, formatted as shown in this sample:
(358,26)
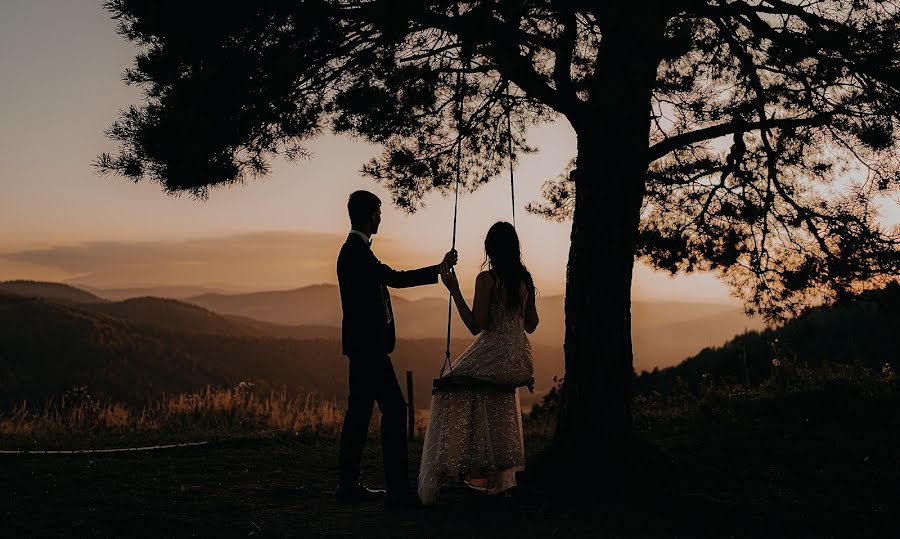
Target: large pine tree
(753,138)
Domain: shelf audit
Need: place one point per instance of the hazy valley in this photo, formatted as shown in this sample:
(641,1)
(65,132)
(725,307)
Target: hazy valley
(139,348)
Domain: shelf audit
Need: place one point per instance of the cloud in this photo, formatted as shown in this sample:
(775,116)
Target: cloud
(283,259)
(278,260)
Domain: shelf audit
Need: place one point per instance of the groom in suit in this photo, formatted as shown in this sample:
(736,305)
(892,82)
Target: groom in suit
(367,334)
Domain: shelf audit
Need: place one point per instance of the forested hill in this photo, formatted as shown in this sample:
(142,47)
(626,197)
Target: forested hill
(863,329)
(57,292)
(47,348)
(137,350)
(664,332)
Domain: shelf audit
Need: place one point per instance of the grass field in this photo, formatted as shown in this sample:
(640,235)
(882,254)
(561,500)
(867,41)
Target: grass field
(812,453)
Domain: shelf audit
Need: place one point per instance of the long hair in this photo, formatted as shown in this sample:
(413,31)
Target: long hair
(503,256)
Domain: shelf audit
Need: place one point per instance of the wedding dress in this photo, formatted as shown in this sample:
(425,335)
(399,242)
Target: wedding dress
(475,433)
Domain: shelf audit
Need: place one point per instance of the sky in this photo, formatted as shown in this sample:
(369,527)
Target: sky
(60,87)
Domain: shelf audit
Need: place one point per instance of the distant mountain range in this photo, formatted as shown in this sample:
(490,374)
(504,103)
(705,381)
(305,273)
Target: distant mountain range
(54,336)
(664,333)
(138,349)
(53,291)
(171,292)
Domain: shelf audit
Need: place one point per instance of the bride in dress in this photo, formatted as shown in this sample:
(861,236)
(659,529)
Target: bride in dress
(475,430)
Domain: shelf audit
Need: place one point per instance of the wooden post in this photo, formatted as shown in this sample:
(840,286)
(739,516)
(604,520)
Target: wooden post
(744,361)
(410,407)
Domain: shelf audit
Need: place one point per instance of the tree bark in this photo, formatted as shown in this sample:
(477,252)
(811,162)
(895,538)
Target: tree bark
(594,424)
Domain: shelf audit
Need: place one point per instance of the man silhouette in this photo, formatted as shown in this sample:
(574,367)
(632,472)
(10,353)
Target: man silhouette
(368,336)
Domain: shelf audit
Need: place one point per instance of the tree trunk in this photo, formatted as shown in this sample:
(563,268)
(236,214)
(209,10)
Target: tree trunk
(594,427)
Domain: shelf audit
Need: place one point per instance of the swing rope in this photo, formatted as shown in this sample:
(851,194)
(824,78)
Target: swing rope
(459,140)
(467,381)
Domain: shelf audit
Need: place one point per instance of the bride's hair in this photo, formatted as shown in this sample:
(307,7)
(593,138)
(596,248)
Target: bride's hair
(503,256)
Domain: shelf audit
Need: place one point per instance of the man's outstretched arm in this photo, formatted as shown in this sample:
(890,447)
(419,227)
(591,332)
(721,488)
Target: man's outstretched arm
(417,277)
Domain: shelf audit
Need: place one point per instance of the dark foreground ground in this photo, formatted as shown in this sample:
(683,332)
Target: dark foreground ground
(798,467)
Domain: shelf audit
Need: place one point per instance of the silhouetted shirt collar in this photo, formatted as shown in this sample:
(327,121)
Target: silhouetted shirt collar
(365,238)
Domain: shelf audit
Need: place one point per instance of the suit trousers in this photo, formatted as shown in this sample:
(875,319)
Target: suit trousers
(372,380)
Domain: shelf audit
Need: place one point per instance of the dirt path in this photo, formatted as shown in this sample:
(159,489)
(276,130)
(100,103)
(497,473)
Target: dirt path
(744,482)
(280,487)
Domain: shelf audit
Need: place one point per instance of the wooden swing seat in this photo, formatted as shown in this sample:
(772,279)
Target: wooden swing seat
(455,381)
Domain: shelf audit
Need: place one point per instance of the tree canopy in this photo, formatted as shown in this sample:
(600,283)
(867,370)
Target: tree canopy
(773,123)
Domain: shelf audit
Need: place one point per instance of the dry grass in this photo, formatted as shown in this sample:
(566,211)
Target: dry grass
(225,410)
(78,419)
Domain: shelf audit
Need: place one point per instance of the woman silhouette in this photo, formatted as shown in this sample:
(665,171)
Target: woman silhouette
(475,430)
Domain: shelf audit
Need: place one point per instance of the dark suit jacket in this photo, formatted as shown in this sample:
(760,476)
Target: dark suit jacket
(368,325)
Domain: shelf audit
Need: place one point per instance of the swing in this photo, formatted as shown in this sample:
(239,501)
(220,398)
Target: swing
(451,381)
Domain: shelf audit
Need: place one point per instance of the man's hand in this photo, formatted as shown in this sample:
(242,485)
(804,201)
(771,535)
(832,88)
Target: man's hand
(450,259)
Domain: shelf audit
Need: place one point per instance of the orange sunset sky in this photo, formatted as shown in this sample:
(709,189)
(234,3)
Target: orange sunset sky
(61,64)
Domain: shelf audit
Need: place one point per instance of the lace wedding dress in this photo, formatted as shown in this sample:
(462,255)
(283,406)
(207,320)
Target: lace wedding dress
(475,433)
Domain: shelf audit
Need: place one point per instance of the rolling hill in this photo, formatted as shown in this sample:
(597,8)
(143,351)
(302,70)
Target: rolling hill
(170,292)
(664,333)
(317,305)
(174,315)
(58,292)
(134,362)
(320,305)
(47,348)
(163,312)
(141,348)
(137,350)
(288,332)
(863,329)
